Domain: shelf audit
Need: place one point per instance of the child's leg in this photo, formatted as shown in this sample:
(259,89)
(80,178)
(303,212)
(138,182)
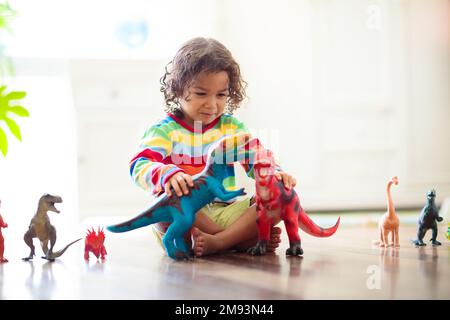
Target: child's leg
(242,234)
(206,224)
(202,221)
(274,241)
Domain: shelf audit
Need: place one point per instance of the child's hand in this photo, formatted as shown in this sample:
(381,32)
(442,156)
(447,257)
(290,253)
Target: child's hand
(179,182)
(288,180)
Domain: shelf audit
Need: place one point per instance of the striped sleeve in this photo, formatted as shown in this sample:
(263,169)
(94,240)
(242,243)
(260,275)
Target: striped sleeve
(147,168)
(242,128)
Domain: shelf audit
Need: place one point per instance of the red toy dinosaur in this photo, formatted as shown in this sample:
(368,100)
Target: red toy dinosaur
(2,240)
(95,244)
(274,201)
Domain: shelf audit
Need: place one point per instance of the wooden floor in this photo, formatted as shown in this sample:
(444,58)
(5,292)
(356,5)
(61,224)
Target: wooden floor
(345,266)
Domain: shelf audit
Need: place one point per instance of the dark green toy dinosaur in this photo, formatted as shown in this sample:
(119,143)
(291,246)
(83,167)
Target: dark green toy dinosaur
(427,220)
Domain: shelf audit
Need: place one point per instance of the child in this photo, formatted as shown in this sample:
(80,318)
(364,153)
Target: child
(202,88)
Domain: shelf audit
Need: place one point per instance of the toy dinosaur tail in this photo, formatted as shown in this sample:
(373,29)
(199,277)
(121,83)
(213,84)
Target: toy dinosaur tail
(145,218)
(134,223)
(307,225)
(60,252)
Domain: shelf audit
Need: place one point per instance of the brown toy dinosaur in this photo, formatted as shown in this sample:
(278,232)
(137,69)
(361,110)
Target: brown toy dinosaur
(41,228)
(389,222)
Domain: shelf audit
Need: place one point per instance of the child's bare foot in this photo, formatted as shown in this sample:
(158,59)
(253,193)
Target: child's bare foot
(275,239)
(204,243)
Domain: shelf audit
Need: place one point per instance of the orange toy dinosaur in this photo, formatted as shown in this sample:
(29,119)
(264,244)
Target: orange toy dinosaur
(389,222)
(2,240)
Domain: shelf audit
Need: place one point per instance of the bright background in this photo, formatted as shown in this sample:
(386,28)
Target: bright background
(347,94)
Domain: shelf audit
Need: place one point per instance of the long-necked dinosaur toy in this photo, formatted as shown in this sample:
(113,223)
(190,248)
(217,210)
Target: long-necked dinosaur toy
(389,222)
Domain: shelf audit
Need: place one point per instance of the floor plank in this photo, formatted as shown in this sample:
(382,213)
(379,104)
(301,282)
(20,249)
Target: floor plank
(345,266)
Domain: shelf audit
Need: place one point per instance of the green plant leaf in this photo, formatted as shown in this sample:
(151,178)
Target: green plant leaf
(14,128)
(15,95)
(6,14)
(3,142)
(5,107)
(19,110)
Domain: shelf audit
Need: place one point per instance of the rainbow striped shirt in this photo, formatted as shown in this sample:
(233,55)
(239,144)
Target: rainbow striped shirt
(171,146)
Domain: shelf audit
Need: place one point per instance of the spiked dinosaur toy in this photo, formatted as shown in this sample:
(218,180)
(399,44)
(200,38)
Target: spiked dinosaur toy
(41,228)
(274,202)
(95,243)
(181,211)
(389,222)
(427,220)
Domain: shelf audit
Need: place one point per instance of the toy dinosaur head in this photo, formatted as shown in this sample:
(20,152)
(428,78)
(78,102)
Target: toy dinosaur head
(47,202)
(431,194)
(95,240)
(395,180)
(265,163)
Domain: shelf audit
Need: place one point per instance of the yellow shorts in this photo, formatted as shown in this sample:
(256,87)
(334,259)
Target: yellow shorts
(221,213)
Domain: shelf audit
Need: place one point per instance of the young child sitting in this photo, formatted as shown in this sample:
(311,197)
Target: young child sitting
(202,87)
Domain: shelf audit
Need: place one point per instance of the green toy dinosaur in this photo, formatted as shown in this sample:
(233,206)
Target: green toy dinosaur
(41,228)
(428,219)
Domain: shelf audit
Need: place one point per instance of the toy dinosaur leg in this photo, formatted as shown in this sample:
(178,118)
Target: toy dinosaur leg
(103,253)
(420,235)
(44,246)
(384,237)
(387,232)
(52,236)
(381,244)
(86,253)
(395,238)
(176,231)
(264,224)
(180,243)
(28,238)
(434,235)
(291,224)
(2,249)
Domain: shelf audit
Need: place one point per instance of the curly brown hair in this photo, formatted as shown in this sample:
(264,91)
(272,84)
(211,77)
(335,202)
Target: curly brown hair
(196,56)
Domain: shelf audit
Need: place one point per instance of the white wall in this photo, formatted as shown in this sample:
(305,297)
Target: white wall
(45,160)
(351,93)
(341,90)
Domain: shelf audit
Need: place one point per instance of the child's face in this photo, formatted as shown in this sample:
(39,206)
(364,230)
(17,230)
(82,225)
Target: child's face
(205,100)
